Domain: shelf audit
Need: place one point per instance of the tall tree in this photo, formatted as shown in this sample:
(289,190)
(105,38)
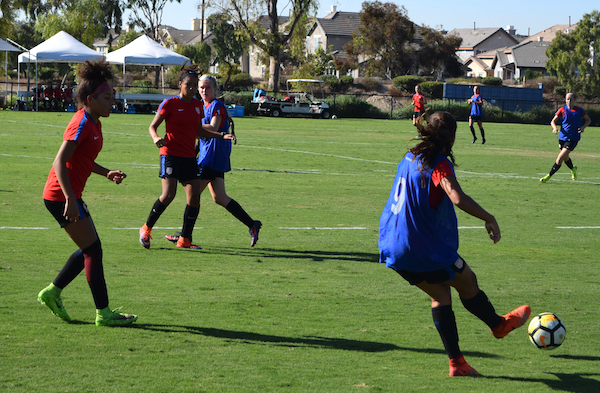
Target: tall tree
(8,13)
(384,39)
(228,46)
(267,31)
(81,18)
(147,15)
(573,57)
(436,53)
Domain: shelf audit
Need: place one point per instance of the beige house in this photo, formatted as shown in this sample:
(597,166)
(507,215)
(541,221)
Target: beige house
(478,40)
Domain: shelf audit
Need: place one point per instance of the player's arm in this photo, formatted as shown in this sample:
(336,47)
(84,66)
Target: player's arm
(116,175)
(468,205)
(152,129)
(588,120)
(65,152)
(212,130)
(553,123)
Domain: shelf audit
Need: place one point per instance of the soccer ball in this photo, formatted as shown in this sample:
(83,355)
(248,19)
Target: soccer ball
(334,117)
(547,331)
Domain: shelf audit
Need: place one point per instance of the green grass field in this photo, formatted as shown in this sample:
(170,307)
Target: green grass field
(308,309)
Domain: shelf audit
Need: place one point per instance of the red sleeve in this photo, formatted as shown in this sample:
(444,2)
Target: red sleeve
(437,193)
(560,112)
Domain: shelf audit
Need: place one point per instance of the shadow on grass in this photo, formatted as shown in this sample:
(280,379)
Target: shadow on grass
(577,383)
(313,255)
(306,341)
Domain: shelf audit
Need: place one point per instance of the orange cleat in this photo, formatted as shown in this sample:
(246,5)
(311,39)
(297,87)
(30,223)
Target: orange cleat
(182,242)
(460,368)
(514,319)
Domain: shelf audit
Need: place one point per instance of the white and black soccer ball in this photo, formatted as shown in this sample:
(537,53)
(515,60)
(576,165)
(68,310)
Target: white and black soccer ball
(334,117)
(547,331)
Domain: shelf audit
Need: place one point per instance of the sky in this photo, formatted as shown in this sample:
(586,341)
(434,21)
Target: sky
(528,17)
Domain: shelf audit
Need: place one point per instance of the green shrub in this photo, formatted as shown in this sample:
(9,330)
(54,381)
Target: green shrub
(350,106)
(332,83)
(560,91)
(347,80)
(370,84)
(144,86)
(491,81)
(406,83)
(433,90)
(240,81)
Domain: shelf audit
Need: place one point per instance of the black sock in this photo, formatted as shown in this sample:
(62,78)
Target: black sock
(445,323)
(482,133)
(569,164)
(480,306)
(473,132)
(72,268)
(190,215)
(238,212)
(157,209)
(554,169)
(95,274)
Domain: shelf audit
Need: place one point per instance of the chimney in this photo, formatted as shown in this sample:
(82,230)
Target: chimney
(474,28)
(195,24)
(511,30)
(540,39)
(334,9)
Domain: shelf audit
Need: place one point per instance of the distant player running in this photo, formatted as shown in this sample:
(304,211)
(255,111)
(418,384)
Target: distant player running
(74,163)
(418,101)
(418,237)
(571,117)
(476,114)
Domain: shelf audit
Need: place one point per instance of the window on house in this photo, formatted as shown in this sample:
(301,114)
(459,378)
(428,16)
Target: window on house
(317,42)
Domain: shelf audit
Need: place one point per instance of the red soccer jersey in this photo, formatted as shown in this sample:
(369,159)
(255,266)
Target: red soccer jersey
(182,120)
(419,102)
(88,136)
(437,193)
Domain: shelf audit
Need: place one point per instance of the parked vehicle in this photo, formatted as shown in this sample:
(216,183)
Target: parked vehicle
(300,100)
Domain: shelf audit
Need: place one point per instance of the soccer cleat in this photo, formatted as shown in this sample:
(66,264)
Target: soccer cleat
(460,368)
(254,233)
(483,141)
(182,242)
(49,298)
(474,139)
(545,179)
(514,319)
(175,237)
(108,317)
(145,236)
(574,173)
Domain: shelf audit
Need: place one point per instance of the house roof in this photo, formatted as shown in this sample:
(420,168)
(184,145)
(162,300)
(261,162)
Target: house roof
(104,41)
(530,54)
(473,37)
(549,34)
(180,37)
(340,23)
(478,61)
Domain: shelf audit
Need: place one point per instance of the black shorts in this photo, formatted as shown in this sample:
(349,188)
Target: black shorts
(435,276)
(207,173)
(476,118)
(569,145)
(416,115)
(57,209)
(183,169)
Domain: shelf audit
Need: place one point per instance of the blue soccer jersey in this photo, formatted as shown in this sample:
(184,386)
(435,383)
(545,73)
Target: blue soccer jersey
(413,235)
(214,153)
(476,107)
(572,120)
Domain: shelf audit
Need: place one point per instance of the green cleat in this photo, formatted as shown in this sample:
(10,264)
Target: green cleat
(108,317)
(545,179)
(49,297)
(574,173)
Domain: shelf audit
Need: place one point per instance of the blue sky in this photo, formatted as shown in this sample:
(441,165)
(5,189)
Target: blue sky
(525,16)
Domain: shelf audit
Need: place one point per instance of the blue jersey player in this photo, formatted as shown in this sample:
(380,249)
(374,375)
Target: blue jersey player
(476,114)
(418,237)
(571,127)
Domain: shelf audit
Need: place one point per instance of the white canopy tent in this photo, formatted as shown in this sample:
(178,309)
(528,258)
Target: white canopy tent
(60,48)
(145,51)
(6,47)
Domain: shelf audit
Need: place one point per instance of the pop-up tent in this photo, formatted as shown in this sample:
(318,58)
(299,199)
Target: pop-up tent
(144,51)
(6,47)
(60,48)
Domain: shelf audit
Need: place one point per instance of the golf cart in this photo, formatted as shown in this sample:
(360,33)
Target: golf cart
(300,100)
